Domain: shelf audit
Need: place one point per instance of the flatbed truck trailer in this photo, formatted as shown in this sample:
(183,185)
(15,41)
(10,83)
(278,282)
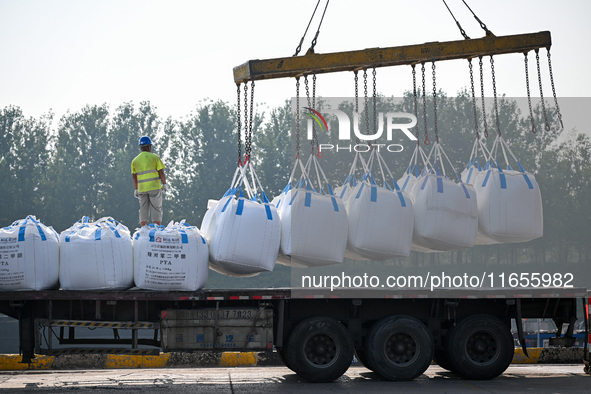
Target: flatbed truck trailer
(316,332)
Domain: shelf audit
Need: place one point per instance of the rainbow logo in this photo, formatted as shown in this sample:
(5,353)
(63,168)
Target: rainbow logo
(317,117)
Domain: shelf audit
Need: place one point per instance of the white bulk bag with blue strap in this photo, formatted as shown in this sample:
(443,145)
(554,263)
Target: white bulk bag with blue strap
(243,232)
(96,256)
(171,258)
(509,201)
(446,212)
(381,218)
(479,159)
(29,256)
(313,220)
(411,174)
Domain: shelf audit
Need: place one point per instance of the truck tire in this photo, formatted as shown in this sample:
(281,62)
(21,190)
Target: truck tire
(480,347)
(440,357)
(362,358)
(282,352)
(399,348)
(320,349)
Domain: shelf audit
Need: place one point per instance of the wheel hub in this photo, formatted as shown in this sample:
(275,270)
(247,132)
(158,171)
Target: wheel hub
(401,348)
(482,347)
(320,349)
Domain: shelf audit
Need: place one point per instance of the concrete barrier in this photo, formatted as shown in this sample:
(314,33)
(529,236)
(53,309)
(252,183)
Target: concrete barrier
(549,355)
(11,362)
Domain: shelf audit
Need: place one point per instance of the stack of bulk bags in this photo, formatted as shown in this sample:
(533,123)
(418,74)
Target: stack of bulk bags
(243,233)
(509,201)
(314,224)
(381,219)
(29,256)
(446,212)
(96,256)
(173,258)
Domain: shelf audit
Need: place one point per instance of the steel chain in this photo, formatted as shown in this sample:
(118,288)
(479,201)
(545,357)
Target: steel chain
(414,94)
(246,142)
(251,117)
(554,89)
(531,112)
(309,106)
(435,104)
(311,103)
(239,125)
(375,104)
(315,134)
(356,92)
(356,99)
(483,99)
(546,123)
(314,90)
(427,141)
(473,98)
(297,117)
(494,83)
(366,108)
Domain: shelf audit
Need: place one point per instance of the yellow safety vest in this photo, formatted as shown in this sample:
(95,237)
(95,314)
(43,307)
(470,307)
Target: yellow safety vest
(146,166)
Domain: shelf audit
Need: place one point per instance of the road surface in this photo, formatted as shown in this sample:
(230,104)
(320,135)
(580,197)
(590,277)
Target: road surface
(517,379)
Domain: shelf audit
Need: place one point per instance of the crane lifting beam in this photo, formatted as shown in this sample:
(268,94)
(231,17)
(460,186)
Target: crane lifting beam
(286,67)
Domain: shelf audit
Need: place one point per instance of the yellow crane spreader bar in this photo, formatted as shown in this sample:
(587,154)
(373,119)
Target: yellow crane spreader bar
(286,67)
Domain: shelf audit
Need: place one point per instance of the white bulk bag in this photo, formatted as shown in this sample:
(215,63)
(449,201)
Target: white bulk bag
(171,258)
(96,256)
(243,234)
(409,178)
(509,201)
(446,212)
(29,256)
(473,168)
(381,219)
(313,220)
(469,175)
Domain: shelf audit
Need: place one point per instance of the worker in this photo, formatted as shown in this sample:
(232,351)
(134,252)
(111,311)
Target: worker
(149,182)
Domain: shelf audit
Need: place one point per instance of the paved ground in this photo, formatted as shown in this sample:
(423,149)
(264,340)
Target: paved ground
(517,379)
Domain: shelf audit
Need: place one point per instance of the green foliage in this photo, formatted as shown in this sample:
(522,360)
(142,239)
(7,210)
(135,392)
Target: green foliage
(24,162)
(271,150)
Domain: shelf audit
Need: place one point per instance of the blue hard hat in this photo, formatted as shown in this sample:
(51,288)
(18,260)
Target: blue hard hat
(145,140)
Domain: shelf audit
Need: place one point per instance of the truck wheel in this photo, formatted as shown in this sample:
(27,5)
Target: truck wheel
(399,348)
(442,360)
(362,358)
(480,347)
(282,352)
(320,349)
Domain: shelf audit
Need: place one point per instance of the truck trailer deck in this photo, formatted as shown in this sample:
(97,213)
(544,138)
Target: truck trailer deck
(315,331)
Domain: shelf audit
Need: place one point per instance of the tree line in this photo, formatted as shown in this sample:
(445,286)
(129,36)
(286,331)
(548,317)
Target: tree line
(79,165)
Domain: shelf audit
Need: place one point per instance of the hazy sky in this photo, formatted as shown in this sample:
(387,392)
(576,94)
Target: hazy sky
(64,54)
